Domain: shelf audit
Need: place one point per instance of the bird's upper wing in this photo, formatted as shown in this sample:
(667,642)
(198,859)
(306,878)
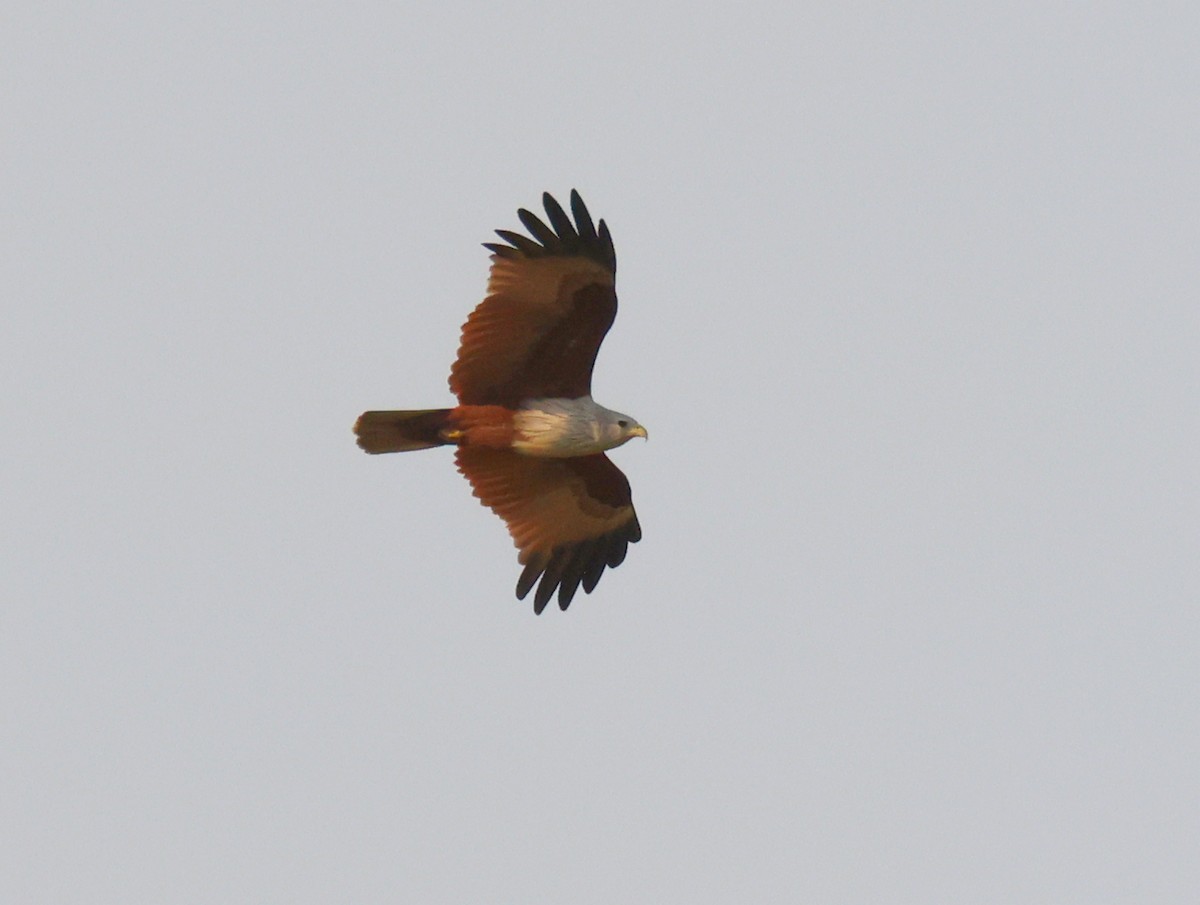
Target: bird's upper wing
(570,518)
(550,300)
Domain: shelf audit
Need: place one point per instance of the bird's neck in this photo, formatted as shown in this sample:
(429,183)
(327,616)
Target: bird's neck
(558,428)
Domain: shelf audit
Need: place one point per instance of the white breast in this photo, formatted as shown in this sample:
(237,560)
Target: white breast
(559,428)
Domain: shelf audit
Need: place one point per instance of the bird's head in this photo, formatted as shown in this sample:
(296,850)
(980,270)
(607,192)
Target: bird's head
(620,429)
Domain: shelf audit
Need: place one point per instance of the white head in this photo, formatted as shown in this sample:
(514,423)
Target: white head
(615,428)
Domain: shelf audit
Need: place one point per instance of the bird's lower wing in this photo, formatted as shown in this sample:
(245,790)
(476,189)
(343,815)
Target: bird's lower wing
(570,518)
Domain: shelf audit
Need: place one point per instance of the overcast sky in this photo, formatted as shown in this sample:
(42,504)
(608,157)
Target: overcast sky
(909,307)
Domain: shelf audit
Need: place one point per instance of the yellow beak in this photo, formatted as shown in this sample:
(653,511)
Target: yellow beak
(639,431)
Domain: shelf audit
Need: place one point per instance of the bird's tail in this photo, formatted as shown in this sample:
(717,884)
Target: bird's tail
(384,432)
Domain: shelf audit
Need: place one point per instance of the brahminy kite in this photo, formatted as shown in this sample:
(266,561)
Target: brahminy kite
(529,437)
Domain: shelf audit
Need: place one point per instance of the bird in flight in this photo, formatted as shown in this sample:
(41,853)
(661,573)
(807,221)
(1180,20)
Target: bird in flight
(529,437)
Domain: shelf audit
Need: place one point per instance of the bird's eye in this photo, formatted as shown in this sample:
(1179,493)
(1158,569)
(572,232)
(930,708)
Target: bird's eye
(622,423)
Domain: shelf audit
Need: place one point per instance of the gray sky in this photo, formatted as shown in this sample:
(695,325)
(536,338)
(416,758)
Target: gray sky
(908,306)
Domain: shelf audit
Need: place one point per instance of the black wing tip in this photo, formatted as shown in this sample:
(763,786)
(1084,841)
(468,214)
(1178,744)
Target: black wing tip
(562,237)
(501,251)
(583,220)
(526,246)
(570,567)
